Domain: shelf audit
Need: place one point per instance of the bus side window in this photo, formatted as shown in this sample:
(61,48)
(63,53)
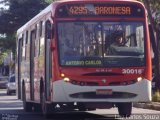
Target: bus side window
(20,40)
(40,28)
(48,29)
(26,42)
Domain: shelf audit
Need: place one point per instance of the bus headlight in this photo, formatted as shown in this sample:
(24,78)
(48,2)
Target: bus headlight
(139,79)
(66,79)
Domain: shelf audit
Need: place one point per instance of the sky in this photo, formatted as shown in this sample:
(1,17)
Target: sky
(2,5)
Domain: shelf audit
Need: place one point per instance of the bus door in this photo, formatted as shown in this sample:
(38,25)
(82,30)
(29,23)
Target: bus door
(20,40)
(48,59)
(32,54)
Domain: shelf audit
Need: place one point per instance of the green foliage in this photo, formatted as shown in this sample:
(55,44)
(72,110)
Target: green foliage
(18,13)
(156,96)
(3,56)
(49,1)
(7,41)
(154,8)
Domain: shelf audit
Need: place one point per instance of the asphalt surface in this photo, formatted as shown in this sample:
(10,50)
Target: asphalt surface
(149,105)
(11,109)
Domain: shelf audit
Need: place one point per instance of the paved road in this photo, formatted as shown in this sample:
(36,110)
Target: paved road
(11,109)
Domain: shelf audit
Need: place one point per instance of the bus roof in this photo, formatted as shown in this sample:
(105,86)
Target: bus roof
(51,8)
(92,0)
(97,0)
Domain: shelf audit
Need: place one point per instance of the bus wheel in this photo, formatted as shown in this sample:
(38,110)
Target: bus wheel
(26,105)
(124,109)
(81,107)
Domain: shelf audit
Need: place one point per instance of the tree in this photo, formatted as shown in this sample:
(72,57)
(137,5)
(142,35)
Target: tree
(18,13)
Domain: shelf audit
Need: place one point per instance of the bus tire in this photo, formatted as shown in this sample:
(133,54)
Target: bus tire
(26,105)
(124,109)
(81,107)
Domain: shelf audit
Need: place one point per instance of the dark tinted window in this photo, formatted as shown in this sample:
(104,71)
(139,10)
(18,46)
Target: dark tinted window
(12,79)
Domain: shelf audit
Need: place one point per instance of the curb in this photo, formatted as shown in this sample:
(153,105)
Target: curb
(151,105)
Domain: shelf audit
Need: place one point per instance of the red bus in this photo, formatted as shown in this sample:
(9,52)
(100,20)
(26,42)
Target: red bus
(85,54)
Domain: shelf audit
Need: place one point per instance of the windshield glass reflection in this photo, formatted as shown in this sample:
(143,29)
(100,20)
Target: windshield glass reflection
(101,43)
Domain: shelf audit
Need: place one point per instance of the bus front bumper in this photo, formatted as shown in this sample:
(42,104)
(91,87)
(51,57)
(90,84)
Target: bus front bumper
(67,92)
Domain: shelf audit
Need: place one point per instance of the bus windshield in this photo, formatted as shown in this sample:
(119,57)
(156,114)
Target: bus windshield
(107,44)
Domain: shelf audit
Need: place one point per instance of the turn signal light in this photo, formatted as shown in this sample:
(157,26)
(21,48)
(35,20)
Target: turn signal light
(62,75)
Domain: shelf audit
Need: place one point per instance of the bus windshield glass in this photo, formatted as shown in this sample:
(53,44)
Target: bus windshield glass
(103,44)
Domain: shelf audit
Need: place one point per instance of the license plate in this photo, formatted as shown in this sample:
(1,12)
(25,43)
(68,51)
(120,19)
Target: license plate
(104,92)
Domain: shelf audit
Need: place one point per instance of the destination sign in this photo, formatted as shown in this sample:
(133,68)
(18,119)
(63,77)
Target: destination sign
(99,9)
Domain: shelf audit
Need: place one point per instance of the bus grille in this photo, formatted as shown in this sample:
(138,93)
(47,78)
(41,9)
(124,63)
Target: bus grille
(93,95)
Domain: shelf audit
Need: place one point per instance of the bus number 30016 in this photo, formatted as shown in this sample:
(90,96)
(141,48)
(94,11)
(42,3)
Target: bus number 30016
(132,71)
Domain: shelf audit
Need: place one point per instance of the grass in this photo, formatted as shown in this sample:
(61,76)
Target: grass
(156,96)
